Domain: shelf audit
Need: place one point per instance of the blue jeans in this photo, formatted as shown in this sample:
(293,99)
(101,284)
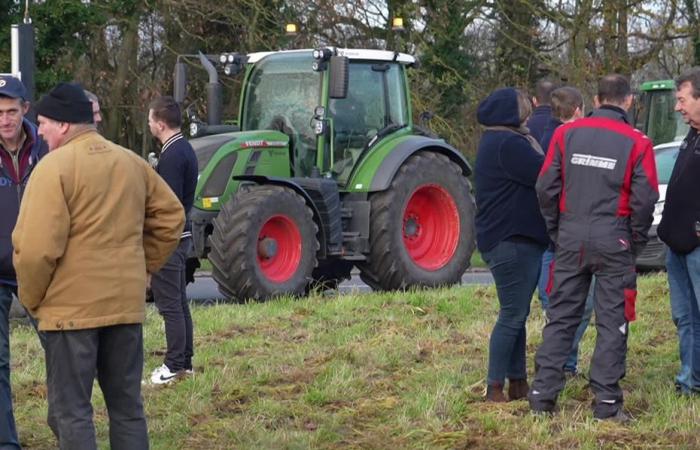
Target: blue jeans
(515,266)
(8,432)
(547,258)
(684,287)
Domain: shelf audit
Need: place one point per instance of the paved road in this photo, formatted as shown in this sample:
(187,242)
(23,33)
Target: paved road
(204,288)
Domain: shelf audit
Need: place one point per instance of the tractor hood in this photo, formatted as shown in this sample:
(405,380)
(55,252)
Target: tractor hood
(205,147)
(223,156)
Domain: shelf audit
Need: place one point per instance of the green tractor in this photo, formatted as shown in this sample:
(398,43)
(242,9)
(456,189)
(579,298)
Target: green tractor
(326,172)
(654,112)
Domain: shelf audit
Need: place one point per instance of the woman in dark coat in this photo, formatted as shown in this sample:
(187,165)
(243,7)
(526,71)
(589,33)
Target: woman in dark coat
(510,231)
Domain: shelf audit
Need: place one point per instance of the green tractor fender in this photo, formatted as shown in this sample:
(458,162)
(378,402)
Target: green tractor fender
(311,201)
(379,167)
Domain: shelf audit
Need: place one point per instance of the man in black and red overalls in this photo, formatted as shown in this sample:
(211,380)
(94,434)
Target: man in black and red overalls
(597,191)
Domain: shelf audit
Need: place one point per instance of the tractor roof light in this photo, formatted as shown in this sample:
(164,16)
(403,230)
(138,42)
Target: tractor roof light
(227,58)
(291,29)
(397,24)
(323,54)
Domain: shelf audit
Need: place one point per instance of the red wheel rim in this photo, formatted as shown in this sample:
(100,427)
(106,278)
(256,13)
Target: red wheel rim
(279,248)
(431,227)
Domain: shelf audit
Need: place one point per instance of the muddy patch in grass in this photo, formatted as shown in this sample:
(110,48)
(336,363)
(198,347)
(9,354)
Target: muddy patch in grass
(32,389)
(226,402)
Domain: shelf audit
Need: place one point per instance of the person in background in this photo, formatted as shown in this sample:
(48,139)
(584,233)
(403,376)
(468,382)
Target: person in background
(177,165)
(20,150)
(567,106)
(510,231)
(680,230)
(598,219)
(96,111)
(543,109)
(95,221)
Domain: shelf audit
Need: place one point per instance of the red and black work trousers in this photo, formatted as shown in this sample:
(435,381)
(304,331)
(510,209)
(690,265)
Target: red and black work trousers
(615,293)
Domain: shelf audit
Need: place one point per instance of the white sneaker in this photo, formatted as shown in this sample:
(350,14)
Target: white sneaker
(163,375)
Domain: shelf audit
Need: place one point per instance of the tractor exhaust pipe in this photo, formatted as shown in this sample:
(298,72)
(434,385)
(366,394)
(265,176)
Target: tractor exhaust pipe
(214,92)
(22,38)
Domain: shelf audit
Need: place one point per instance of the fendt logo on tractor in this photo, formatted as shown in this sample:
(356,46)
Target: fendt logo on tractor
(350,180)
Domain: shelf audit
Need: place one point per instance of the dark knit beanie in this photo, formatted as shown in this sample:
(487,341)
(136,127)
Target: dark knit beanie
(66,102)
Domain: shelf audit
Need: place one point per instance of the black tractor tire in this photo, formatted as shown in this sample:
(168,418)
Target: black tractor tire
(421,227)
(263,244)
(329,274)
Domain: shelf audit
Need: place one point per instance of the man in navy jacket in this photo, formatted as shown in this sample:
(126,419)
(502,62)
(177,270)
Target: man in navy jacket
(542,113)
(20,151)
(178,167)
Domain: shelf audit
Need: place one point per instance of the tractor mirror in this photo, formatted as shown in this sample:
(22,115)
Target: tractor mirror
(180,82)
(339,77)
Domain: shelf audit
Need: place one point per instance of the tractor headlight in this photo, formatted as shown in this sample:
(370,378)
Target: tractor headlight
(223,58)
(194,129)
(319,126)
(215,186)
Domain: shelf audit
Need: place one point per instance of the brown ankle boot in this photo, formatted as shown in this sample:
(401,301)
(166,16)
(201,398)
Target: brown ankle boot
(517,389)
(494,393)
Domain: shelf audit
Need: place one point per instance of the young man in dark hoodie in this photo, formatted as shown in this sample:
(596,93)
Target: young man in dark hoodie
(567,106)
(510,231)
(597,192)
(680,230)
(20,151)
(177,165)
(543,109)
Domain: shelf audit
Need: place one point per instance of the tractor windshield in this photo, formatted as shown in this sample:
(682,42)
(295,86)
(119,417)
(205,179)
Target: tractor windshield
(656,117)
(282,93)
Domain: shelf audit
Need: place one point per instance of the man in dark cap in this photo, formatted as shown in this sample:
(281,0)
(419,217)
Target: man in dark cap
(20,150)
(95,222)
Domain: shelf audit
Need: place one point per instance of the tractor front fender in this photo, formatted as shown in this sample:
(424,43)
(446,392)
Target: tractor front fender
(388,160)
(291,184)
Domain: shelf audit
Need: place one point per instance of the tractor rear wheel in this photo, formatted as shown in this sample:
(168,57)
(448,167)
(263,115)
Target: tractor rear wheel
(422,227)
(263,244)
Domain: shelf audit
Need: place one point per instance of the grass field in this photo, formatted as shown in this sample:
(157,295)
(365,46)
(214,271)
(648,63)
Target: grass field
(385,371)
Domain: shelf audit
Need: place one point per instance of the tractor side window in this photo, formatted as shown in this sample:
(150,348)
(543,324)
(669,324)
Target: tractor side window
(376,100)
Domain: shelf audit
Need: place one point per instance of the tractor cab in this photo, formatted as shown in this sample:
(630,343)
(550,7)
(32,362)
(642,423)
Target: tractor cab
(654,112)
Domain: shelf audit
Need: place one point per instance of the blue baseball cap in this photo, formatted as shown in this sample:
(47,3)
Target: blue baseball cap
(12,87)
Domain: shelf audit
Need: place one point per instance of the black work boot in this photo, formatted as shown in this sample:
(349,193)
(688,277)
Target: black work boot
(620,417)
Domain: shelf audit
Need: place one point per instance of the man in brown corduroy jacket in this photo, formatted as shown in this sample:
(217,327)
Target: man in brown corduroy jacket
(96,220)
